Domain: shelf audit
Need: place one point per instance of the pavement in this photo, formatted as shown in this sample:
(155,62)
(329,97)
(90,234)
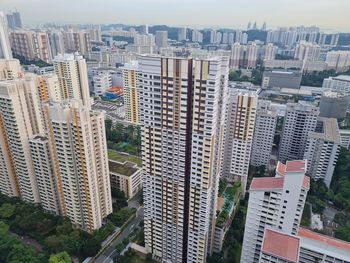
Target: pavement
(111,252)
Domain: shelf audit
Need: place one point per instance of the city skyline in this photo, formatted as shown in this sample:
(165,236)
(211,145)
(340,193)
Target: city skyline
(234,15)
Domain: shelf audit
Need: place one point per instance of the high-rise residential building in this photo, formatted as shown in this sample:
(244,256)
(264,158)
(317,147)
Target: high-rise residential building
(77,136)
(264,132)
(270,51)
(180,119)
(274,203)
(345,138)
(252,55)
(131,92)
(101,83)
(307,51)
(72,77)
(77,41)
(197,36)
(144,29)
(339,83)
(31,45)
(263,28)
(14,20)
(95,33)
(240,115)
(182,34)
(334,104)
(44,173)
(322,150)
(237,55)
(20,118)
(334,40)
(322,39)
(338,60)
(161,39)
(10,69)
(57,43)
(300,120)
(5,48)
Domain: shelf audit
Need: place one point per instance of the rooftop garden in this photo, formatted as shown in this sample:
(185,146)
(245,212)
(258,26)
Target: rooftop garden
(122,157)
(119,168)
(231,195)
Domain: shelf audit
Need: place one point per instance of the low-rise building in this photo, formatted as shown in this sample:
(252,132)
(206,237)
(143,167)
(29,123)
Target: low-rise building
(345,138)
(281,79)
(125,177)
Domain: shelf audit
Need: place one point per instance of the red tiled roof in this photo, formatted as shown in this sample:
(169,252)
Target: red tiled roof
(306,182)
(281,245)
(295,166)
(281,168)
(305,233)
(267,183)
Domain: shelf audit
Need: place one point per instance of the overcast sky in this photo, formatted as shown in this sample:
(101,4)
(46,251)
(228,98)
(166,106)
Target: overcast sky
(327,14)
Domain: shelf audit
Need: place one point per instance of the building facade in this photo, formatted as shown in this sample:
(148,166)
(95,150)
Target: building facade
(300,120)
(180,120)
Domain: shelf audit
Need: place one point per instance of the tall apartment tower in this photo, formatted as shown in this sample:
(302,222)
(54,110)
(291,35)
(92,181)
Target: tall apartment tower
(270,51)
(20,118)
(322,150)
(275,203)
(264,132)
(10,69)
(161,39)
(300,120)
(240,114)
(307,51)
(72,77)
(182,34)
(14,20)
(180,119)
(44,172)
(5,48)
(131,92)
(77,136)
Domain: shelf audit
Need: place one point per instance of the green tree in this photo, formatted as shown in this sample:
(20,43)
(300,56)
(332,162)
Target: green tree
(62,257)
(7,211)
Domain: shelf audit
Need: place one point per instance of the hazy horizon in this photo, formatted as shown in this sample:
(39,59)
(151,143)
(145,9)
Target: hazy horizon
(328,15)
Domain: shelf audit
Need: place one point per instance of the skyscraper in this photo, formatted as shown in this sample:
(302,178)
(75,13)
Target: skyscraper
(240,115)
(5,48)
(161,39)
(77,136)
(264,131)
(300,120)
(14,20)
(274,203)
(131,92)
(72,77)
(20,118)
(322,150)
(182,34)
(180,119)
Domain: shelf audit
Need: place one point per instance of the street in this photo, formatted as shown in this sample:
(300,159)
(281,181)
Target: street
(108,255)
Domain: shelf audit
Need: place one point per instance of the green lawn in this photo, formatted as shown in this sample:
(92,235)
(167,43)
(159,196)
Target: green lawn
(116,156)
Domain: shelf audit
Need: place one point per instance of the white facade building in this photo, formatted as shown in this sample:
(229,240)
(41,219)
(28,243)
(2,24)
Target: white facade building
(161,39)
(5,48)
(300,120)
(239,116)
(102,82)
(322,150)
(307,51)
(72,77)
(339,83)
(264,131)
(338,60)
(180,120)
(274,203)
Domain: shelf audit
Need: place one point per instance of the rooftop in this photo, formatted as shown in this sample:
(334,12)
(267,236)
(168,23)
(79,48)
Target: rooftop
(329,241)
(267,183)
(327,130)
(342,77)
(123,169)
(281,245)
(291,166)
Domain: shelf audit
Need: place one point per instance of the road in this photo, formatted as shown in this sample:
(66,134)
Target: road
(108,255)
